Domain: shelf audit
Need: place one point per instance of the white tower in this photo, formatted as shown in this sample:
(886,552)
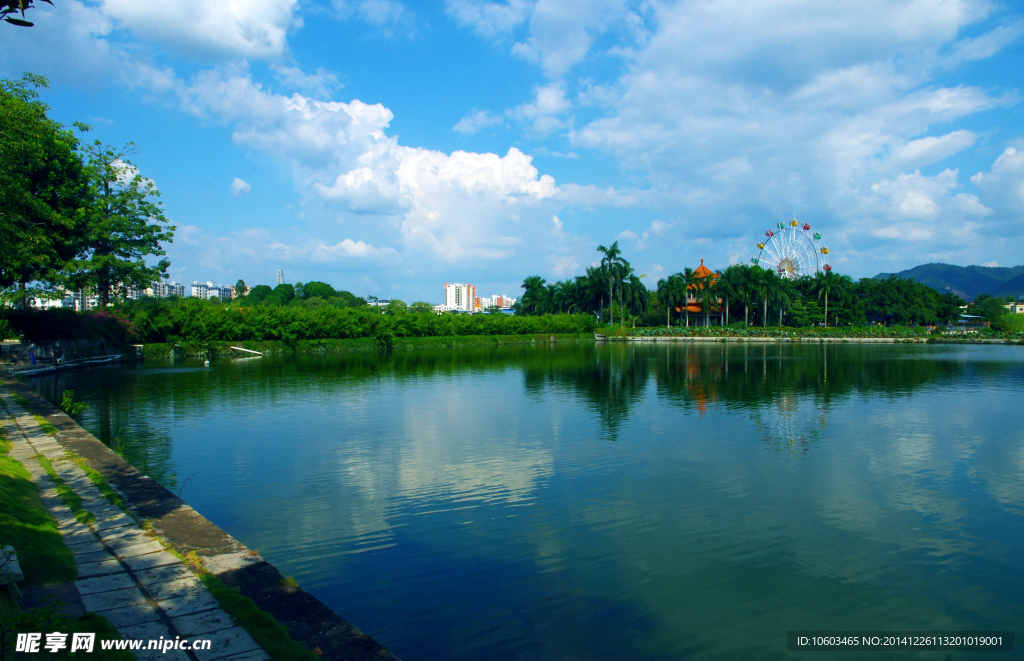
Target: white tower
(280,276)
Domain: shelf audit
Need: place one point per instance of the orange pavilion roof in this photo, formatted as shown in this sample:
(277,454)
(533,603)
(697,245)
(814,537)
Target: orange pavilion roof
(703,271)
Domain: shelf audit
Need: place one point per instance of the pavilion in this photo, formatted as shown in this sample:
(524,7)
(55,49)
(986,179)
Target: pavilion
(705,277)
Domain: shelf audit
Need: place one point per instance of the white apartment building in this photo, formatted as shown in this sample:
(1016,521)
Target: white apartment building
(211,289)
(163,289)
(459,297)
(1015,308)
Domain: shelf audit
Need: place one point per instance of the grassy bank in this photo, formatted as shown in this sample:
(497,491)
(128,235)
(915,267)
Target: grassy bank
(213,349)
(28,527)
(918,333)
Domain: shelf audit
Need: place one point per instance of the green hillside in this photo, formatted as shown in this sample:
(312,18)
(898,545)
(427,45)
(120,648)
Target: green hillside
(968,281)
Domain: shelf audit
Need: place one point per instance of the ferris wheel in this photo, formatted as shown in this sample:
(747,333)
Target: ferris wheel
(792,251)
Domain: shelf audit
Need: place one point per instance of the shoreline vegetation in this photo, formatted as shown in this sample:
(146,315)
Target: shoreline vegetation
(223,347)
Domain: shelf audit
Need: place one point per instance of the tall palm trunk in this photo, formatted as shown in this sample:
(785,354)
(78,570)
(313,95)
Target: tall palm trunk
(746,314)
(826,309)
(764,318)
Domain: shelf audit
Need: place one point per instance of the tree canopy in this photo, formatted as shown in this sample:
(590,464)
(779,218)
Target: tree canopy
(70,216)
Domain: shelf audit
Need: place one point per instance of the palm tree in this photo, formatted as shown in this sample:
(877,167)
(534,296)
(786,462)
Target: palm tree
(729,285)
(564,295)
(533,297)
(609,258)
(665,295)
(827,282)
(637,296)
(783,295)
(689,281)
(623,271)
(763,284)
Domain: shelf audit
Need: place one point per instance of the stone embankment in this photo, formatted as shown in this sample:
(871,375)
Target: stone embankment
(809,340)
(134,575)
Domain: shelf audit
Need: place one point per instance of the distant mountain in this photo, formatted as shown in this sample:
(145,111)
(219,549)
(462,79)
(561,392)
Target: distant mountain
(968,281)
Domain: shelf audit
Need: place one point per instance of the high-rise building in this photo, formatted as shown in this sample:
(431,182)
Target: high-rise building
(459,297)
(280,276)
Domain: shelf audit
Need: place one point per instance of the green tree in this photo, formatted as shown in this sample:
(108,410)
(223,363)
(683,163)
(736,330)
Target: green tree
(258,294)
(666,296)
(240,288)
(396,306)
(610,258)
(124,227)
(533,296)
(825,283)
(421,306)
(990,307)
(730,285)
(44,190)
(318,289)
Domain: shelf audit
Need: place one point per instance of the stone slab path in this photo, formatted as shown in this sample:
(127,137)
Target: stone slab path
(124,574)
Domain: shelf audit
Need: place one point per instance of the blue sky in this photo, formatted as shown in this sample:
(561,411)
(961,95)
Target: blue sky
(389,147)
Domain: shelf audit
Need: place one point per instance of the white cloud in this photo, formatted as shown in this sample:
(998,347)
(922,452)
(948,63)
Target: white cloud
(931,149)
(490,18)
(453,206)
(1006,178)
(389,16)
(251,29)
(562,33)
(318,251)
(319,85)
(240,187)
(625,234)
(557,223)
(475,121)
(544,112)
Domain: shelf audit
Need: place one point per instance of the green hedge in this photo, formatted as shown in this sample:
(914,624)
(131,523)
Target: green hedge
(191,320)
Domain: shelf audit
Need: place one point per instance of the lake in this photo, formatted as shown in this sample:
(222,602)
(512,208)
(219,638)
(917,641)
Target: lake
(614,501)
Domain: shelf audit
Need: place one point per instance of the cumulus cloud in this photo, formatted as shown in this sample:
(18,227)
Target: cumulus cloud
(545,112)
(252,29)
(743,116)
(474,122)
(240,187)
(450,205)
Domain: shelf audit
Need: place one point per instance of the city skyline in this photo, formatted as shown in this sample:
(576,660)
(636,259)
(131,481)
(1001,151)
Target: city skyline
(510,139)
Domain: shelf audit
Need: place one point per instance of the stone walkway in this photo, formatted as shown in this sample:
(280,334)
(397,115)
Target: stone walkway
(124,574)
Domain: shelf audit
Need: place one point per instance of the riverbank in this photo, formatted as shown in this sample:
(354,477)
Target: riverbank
(287,622)
(815,340)
(222,348)
(852,334)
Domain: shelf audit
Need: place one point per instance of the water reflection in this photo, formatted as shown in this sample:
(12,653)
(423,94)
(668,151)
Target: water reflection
(605,502)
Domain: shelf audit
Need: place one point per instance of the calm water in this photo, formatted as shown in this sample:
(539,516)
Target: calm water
(608,502)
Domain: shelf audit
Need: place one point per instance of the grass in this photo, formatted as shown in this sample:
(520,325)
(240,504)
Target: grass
(45,426)
(69,497)
(267,631)
(26,525)
(100,483)
(46,620)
